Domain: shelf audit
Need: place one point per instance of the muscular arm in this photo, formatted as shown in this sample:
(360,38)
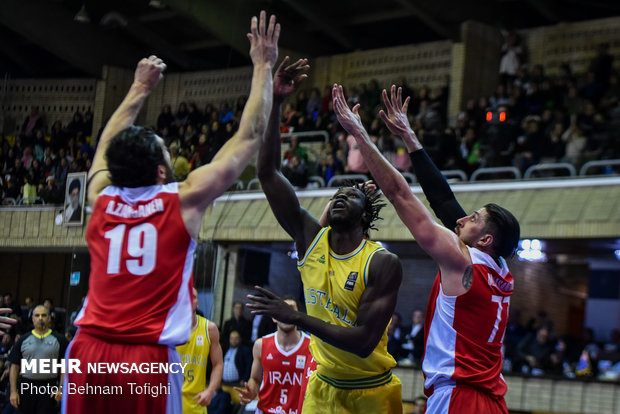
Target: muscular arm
(206,183)
(147,75)
(217,362)
(249,393)
(373,314)
(295,220)
(442,244)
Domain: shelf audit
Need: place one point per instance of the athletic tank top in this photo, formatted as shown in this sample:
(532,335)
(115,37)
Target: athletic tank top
(283,374)
(141,267)
(195,353)
(333,286)
(463,334)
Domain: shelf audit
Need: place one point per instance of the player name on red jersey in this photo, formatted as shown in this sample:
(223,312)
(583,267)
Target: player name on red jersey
(143,210)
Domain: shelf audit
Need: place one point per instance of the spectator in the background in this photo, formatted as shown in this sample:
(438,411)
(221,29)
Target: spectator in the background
(58,136)
(194,117)
(415,337)
(512,55)
(50,193)
(330,166)
(61,171)
(395,338)
(29,189)
(88,123)
(9,302)
(419,405)
(165,119)
(181,117)
(313,107)
(575,143)
(553,144)
(602,65)
(76,125)
(295,149)
(180,164)
(296,172)
(355,161)
(529,145)
(535,351)
(470,151)
(238,323)
(32,122)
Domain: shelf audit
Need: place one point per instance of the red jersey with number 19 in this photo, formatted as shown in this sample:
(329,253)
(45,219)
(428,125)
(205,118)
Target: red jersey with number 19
(141,267)
(283,373)
(463,334)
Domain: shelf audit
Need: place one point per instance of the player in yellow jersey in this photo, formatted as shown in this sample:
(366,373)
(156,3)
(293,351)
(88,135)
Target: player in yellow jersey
(204,343)
(350,283)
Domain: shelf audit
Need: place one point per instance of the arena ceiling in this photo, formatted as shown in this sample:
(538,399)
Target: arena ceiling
(42,38)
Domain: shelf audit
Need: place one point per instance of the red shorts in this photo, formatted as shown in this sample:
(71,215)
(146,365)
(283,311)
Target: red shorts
(130,392)
(464,400)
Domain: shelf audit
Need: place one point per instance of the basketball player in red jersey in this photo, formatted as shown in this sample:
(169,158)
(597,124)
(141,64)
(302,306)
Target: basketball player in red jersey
(280,360)
(468,307)
(141,239)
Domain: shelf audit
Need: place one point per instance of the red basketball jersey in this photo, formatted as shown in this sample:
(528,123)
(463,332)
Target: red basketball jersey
(283,372)
(463,334)
(141,267)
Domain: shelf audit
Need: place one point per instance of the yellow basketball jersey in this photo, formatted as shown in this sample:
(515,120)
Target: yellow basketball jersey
(195,353)
(333,285)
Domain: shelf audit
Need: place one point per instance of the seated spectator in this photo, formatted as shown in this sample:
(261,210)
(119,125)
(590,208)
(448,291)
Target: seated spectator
(575,142)
(355,161)
(50,193)
(395,338)
(32,122)
(535,351)
(296,172)
(180,164)
(295,149)
(330,166)
(76,125)
(238,323)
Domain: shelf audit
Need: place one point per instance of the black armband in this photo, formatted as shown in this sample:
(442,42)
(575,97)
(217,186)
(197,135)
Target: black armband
(436,189)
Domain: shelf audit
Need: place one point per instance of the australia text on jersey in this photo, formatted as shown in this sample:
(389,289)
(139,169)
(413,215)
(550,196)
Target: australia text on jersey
(315,297)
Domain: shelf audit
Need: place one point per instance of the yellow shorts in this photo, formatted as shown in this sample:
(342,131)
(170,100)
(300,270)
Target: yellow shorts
(322,397)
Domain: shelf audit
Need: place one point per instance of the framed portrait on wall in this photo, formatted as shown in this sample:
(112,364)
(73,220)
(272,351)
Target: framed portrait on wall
(75,195)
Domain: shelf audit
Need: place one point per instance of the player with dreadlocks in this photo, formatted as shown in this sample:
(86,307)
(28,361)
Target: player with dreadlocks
(350,283)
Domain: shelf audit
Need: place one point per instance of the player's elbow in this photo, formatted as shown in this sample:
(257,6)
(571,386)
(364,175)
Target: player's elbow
(366,346)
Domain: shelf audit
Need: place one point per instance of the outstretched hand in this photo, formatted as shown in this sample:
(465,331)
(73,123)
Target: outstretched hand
(246,395)
(149,72)
(5,321)
(271,305)
(264,39)
(396,117)
(288,78)
(348,118)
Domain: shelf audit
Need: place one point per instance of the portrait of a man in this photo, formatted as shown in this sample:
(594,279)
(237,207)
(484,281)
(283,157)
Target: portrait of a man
(74,199)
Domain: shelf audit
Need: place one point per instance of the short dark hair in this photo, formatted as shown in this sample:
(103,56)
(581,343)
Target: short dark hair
(133,157)
(75,183)
(505,229)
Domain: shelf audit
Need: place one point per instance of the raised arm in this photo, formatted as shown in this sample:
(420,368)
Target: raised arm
(296,221)
(376,306)
(249,392)
(208,182)
(442,244)
(433,183)
(147,75)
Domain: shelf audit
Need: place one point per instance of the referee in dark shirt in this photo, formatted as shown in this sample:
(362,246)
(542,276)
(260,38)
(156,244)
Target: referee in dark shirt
(40,343)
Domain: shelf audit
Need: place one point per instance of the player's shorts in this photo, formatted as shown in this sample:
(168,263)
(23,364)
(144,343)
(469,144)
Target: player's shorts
(464,400)
(115,393)
(381,395)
